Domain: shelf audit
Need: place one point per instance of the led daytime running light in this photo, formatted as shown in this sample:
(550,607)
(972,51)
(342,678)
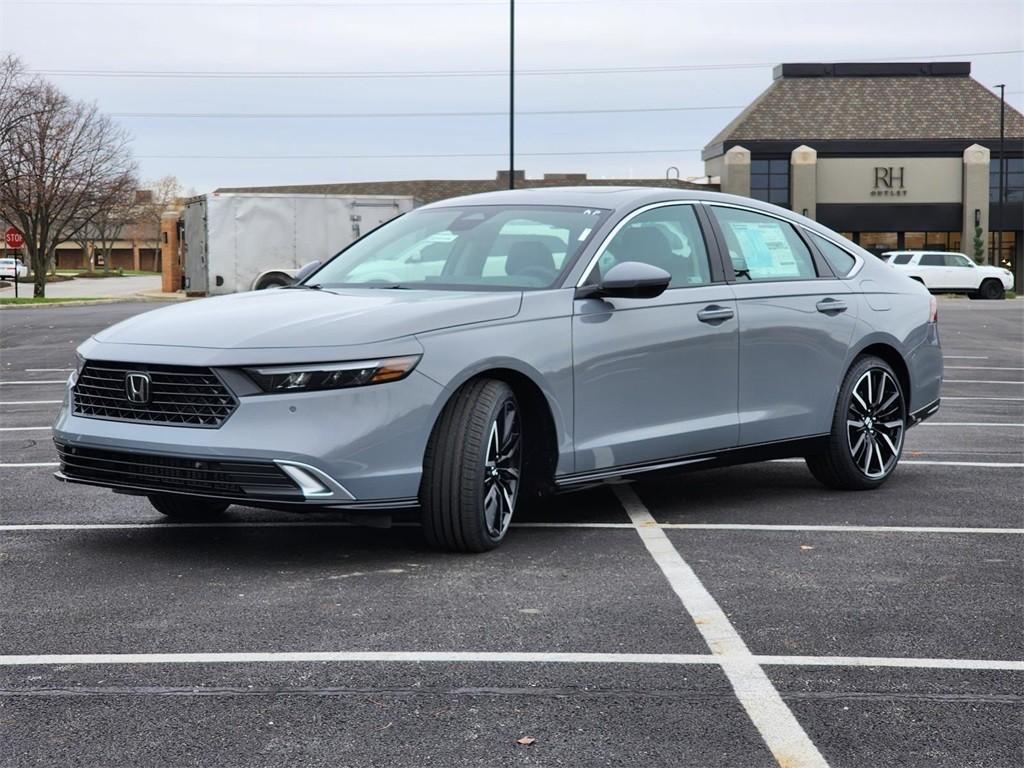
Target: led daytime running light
(320,376)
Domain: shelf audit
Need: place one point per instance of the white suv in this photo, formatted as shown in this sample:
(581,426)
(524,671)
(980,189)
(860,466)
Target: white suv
(943,272)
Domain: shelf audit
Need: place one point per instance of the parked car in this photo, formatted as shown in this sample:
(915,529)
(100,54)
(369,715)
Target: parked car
(11,269)
(943,272)
(669,330)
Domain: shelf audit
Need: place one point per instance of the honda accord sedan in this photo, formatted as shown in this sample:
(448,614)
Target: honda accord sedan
(477,353)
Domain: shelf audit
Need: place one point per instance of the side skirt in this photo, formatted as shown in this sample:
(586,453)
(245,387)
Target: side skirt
(748,454)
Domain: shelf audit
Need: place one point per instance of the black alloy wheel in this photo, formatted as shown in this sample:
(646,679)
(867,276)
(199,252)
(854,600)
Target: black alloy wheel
(868,427)
(473,469)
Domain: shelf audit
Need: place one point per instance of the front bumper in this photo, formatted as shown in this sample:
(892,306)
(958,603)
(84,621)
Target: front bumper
(359,448)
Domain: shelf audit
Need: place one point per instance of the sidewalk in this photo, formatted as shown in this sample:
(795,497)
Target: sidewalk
(97,288)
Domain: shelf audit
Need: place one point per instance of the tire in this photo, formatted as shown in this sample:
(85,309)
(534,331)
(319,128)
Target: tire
(273,281)
(472,469)
(862,456)
(992,290)
(187,507)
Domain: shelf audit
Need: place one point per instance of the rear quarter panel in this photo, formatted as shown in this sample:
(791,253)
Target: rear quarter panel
(894,310)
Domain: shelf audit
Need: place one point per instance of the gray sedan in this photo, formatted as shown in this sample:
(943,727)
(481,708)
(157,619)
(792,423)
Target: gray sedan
(477,353)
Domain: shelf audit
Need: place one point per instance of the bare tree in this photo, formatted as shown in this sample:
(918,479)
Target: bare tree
(62,162)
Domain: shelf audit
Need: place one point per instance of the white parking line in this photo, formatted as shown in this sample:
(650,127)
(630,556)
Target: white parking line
(781,527)
(41,381)
(32,464)
(981,381)
(24,429)
(48,370)
(927,462)
(969,424)
(947,397)
(965,357)
(979,368)
(780,730)
(499,657)
(30,402)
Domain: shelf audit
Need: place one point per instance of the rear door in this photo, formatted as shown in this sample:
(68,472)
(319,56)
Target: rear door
(932,269)
(796,320)
(656,379)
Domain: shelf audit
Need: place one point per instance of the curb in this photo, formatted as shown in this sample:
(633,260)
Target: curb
(140,299)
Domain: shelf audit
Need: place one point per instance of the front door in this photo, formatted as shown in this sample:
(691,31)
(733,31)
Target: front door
(655,379)
(796,323)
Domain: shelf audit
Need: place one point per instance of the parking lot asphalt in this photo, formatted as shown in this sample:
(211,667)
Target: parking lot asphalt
(738,617)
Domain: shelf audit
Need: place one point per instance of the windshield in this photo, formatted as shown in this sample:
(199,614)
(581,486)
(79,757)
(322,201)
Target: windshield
(472,247)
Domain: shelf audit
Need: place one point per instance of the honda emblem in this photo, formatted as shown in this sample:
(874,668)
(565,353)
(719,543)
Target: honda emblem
(136,387)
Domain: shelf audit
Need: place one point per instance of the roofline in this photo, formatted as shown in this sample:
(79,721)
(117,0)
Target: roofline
(874,69)
(871,147)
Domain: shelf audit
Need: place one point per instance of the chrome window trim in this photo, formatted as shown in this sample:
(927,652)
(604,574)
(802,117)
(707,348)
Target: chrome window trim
(797,225)
(623,222)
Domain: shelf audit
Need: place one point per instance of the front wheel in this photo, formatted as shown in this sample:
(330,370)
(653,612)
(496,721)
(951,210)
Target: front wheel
(472,469)
(187,507)
(992,290)
(866,440)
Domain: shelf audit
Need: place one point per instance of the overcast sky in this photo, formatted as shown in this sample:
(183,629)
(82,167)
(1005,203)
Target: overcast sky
(78,43)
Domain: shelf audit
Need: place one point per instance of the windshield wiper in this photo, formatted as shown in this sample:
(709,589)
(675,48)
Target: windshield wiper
(313,287)
(386,286)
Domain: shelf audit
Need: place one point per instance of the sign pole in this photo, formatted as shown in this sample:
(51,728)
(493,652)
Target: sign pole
(512,94)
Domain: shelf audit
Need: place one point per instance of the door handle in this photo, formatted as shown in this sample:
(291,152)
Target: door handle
(830,305)
(714,314)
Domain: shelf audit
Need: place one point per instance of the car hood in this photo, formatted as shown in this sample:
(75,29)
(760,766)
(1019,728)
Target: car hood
(309,318)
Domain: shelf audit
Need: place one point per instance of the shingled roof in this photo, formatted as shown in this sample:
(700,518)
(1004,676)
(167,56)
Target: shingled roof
(431,190)
(823,102)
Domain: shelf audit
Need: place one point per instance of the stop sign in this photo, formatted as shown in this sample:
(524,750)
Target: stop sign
(14,238)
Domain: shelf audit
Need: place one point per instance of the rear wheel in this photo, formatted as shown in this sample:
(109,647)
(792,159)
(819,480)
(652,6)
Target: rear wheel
(992,290)
(472,469)
(187,507)
(870,419)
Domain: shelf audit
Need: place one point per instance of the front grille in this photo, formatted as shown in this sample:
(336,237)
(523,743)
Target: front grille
(180,396)
(147,471)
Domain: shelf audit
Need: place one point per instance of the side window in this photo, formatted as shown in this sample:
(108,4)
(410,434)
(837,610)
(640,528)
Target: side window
(840,261)
(668,237)
(903,258)
(763,247)
(956,260)
(932,260)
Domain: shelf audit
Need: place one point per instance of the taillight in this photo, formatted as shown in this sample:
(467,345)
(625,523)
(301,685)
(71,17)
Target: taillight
(933,309)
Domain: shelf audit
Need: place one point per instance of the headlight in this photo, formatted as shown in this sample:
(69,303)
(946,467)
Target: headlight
(317,376)
(79,363)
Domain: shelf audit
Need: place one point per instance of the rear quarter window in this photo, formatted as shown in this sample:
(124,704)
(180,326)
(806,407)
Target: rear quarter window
(902,258)
(842,263)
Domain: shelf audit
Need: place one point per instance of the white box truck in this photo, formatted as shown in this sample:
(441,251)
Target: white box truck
(241,241)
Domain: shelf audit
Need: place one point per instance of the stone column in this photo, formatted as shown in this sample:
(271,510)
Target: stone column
(736,172)
(170,267)
(803,181)
(975,197)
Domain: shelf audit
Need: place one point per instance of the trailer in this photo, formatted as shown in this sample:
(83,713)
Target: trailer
(241,241)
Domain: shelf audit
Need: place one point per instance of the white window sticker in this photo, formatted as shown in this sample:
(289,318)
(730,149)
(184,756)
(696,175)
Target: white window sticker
(765,249)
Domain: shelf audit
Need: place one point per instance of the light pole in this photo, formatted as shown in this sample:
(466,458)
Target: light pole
(1002,171)
(512,94)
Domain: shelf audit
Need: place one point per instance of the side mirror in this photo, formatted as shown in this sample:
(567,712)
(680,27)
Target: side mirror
(305,271)
(628,280)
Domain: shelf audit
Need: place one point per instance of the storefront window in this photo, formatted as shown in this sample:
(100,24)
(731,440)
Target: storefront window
(1014,180)
(878,242)
(1009,247)
(769,181)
